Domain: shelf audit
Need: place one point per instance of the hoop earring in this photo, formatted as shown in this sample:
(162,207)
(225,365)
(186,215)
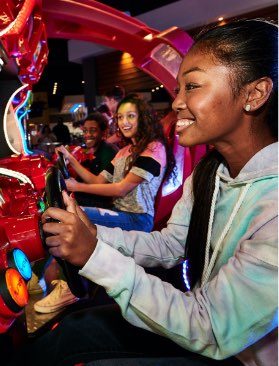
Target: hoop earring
(247,107)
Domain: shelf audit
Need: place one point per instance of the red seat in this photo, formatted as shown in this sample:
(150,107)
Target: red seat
(170,191)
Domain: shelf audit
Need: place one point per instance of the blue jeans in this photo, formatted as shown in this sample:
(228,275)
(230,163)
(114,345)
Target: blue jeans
(124,220)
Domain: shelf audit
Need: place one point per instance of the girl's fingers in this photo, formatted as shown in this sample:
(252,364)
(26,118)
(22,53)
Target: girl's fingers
(84,218)
(53,213)
(69,203)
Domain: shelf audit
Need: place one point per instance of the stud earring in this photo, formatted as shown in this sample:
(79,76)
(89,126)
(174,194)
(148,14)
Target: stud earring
(247,107)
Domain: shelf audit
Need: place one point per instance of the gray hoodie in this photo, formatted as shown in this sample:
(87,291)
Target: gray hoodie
(234,309)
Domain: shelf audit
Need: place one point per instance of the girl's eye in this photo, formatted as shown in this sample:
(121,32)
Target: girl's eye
(190,86)
(132,116)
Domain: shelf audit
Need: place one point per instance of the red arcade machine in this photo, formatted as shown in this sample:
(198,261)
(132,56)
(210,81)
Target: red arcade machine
(23,55)
(24,28)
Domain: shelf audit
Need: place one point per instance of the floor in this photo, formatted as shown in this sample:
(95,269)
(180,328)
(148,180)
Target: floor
(34,320)
(38,323)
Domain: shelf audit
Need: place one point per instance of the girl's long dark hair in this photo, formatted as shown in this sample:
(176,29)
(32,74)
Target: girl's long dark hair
(250,49)
(149,129)
(203,188)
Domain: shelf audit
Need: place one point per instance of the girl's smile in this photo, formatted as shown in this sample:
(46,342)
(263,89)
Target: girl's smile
(182,124)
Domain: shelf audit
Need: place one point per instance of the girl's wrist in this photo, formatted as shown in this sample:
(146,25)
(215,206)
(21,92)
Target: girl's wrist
(78,187)
(72,160)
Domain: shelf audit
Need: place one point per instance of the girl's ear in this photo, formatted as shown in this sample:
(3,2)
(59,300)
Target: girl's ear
(258,93)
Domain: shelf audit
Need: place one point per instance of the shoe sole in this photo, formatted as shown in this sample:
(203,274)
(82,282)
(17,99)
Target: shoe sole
(52,309)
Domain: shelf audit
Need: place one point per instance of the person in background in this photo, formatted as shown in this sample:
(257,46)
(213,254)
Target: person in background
(76,133)
(136,172)
(224,228)
(96,156)
(62,132)
(104,109)
(111,98)
(46,140)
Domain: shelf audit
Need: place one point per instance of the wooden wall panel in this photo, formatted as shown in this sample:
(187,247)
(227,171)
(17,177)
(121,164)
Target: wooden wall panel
(117,68)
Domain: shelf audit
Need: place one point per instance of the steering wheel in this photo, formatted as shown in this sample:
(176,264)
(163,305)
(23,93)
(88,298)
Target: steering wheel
(62,165)
(55,184)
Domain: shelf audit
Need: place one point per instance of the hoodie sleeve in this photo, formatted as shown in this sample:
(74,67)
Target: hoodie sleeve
(165,248)
(235,309)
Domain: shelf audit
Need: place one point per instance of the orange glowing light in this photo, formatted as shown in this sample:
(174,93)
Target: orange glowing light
(17,287)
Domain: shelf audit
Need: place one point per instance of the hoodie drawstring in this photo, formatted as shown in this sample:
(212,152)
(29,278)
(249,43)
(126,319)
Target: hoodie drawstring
(208,265)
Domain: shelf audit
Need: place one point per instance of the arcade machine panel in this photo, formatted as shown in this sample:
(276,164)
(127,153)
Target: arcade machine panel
(23,55)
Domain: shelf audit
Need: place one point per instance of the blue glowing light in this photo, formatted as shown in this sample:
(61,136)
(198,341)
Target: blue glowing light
(19,118)
(22,264)
(75,107)
(184,274)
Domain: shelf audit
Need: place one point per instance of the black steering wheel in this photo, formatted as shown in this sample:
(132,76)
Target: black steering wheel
(62,165)
(55,184)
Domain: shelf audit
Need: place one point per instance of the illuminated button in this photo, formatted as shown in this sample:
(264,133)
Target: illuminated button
(17,287)
(17,259)
(13,289)
(41,205)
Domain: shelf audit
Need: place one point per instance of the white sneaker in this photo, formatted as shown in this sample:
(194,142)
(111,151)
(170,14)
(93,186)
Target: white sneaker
(57,299)
(36,286)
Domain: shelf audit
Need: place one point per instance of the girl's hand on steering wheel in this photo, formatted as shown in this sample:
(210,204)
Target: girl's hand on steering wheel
(72,206)
(71,238)
(71,184)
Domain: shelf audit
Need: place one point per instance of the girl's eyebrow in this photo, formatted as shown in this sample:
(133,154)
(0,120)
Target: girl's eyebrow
(192,69)
(127,112)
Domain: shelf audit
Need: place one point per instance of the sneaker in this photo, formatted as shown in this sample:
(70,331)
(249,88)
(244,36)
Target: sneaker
(57,299)
(36,286)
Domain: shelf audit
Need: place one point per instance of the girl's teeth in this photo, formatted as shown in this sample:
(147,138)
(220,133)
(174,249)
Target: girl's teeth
(184,122)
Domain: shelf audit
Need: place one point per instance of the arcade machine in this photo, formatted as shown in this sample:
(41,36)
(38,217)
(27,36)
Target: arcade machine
(23,55)
(24,28)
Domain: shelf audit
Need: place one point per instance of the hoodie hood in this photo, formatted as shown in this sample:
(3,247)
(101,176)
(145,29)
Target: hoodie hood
(262,165)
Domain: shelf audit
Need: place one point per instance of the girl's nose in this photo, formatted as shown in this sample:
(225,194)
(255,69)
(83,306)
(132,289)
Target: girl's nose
(178,104)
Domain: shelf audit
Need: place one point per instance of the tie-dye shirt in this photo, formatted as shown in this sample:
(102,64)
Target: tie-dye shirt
(150,165)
